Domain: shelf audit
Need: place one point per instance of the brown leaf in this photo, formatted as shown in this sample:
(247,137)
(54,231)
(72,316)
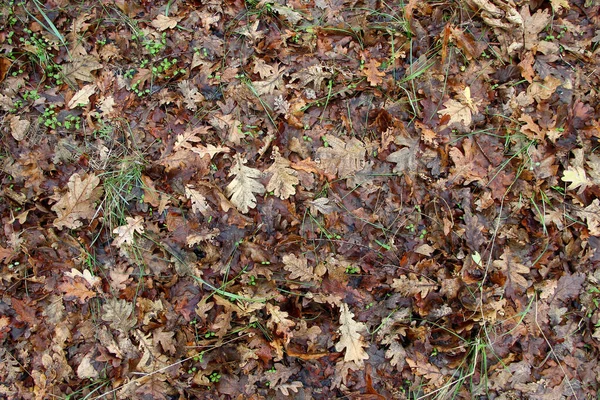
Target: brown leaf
(126,233)
(120,314)
(343,159)
(371,71)
(76,290)
(82,97)
(244,184)
(283,178)
(78,202)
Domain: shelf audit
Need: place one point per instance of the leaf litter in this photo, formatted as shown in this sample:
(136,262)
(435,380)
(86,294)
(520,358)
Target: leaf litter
(275,199)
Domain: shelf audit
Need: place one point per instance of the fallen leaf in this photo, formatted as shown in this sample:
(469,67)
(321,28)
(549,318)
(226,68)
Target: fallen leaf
(576,178)
(126,233)
(82,97)
(351,338)
(244,184)
(18,126)
(371,71)
(283,178)
(78,202)
(120,314)
(163,22)
(343,159)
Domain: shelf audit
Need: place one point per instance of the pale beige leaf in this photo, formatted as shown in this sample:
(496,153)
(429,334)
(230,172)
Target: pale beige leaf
(244,185)
(320,205)
(288,13)
(18,126)
(406,158)
(351,339)
(343,159)
(283,178)
(299,268)
(460,114)
(82,97)
(210,150)
(199,204)
(576,178)
(165,339)
(78,202)
(592,216)
(126,233)
(86,275)
(107,105)
(162,22)
(120,314)
(85,369)
(229,127)
(421,367)
(271,83)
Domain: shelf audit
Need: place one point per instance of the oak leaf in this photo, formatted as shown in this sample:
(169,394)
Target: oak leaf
(81,68)
(412,285)
(125,233)
(513,270)
(406,157)
(191,95)
(262,68)
(18,126)
(576,178)
(592,215)
(461,112)
(274,81)
(283,178)
(351,338)
(78,202)
(371,71)
(199,203)
(163,22)
(76,289)
(244,185)
(343,159)
(299,268)
(280,321)
(120,314)
(210,150)
(314,74)
(82,97)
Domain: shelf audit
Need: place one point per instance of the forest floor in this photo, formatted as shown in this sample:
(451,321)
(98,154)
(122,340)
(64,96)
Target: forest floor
(311,199)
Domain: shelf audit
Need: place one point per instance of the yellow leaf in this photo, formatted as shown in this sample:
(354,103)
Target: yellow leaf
(577,178)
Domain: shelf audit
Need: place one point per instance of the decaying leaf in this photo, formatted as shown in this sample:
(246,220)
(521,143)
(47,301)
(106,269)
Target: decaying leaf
(371,71)
(351,338)
(244,185)
(299,268)
(513,270)
(283,178)
(126,233)
(78,202)
(120,314)
(199,203)
(81,68)
(82,97)
(280,321)
(343,159)
(461,112)
(18,126)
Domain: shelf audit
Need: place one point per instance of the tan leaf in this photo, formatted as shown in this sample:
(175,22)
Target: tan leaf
(283,178)
(406,157)
(120,314)
(18,126)
(120,277)
(82,97)
(461,112)
(76,289)
(191,95)
(107,105)
(230,126)
(351,338)
(371,71)
(222,324)
(244,184)
(77,203)
(320,205)
(592,215)
(86,275)
(210,150)
(165,339)
(513,270)
(412,285)
(314,74)
(274,81)
(279,321)
(162,22)
(199,204)
(557,5)
(299,268)
(81,68)
(85,369)
(125,234)
(288,13)
(262,68)
(421,367)
(343,159)
(576,178)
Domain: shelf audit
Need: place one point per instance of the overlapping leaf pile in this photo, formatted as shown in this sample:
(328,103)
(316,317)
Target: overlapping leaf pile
(270,199)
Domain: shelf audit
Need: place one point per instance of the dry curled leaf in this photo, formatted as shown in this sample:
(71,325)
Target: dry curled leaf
(78,202)
(343,159)
(120,314)
(283,178)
